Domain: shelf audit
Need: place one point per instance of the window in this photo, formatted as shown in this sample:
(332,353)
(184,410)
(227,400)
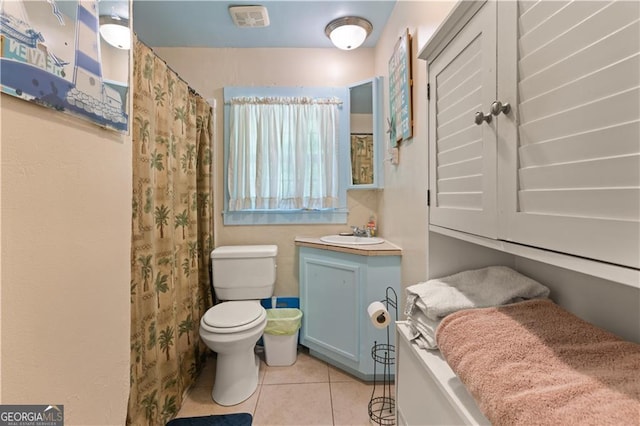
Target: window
(283,151)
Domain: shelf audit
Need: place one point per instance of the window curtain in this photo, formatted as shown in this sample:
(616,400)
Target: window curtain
(172,236)
(283,154)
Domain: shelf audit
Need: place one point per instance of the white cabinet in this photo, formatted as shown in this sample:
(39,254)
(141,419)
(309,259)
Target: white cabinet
(462,172)
(335,290)
(561,169)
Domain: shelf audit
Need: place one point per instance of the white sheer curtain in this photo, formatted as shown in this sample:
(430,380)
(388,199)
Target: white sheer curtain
(283,154)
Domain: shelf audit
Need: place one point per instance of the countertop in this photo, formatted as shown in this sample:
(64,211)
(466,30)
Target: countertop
(383,249)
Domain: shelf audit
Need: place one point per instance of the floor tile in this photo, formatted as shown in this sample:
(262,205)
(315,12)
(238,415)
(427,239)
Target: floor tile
(310,392)
(205,379)
(381,396)
(337,375)
(263,364)
(350,401)
(208,373)
(262,371)
(306,370)
(199,403)
(294,404)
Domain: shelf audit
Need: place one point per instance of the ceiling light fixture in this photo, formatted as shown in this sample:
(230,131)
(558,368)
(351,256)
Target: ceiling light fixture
(349,32)
(115,31)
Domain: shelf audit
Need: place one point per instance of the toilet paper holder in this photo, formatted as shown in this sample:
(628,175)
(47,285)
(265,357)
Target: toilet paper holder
(391,300)
(378,311)
(382,407)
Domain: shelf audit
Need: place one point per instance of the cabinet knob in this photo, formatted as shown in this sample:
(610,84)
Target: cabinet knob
(498,107)
(480,117)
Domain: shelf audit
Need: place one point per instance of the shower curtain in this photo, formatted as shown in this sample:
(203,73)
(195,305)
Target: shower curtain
(172,236)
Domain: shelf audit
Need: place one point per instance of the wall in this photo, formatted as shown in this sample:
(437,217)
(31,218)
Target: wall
(401,207)
(209,70)
(66,232)
(361,123)
(403,203)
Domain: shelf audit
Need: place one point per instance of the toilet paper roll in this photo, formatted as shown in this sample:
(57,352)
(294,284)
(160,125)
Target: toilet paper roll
(379,315)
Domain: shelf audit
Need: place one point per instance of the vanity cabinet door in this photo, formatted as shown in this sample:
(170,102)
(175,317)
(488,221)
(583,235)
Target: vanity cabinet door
(569,168)
(329,298)
(462,160)
(336,289)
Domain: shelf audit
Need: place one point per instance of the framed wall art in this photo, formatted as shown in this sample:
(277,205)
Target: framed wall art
(52,54)
(400,88)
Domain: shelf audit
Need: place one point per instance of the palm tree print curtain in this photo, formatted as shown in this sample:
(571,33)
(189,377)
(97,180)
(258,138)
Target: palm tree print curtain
(361,158)
(172,237)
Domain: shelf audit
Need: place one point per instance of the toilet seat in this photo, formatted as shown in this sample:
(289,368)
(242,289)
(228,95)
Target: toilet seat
(233,317)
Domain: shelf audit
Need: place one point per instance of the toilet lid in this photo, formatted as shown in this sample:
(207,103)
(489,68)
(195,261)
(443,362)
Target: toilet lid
(232,314)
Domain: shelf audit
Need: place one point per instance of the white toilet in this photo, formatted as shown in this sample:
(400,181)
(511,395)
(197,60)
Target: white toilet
(242,275)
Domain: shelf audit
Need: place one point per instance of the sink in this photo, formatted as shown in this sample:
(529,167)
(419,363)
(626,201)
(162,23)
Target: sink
(351,239)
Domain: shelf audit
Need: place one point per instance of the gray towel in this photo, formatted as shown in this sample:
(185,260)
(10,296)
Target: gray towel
(479,288)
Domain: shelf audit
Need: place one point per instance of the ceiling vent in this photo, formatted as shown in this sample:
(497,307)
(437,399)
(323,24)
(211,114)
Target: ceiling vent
(249,16)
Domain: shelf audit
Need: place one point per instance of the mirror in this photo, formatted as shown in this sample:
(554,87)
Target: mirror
(365,134)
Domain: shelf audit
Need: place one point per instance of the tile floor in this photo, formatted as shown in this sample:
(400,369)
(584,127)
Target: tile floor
(310,392)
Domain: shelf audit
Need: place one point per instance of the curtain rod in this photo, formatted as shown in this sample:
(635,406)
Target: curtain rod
(270,100)
(191,89)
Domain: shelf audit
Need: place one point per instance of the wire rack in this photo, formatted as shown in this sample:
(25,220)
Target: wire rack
(382,409)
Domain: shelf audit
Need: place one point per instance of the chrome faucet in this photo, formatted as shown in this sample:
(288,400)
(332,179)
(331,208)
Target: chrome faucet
(364,232)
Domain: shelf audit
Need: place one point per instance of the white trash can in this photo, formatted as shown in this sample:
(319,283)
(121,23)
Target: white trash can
(281,336)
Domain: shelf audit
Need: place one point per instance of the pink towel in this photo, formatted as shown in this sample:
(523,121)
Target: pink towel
(533,363)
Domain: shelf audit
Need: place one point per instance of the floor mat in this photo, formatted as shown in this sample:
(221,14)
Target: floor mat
(239,419)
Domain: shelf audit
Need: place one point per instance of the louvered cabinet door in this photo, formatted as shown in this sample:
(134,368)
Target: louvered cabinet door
(569,168)
(462,157)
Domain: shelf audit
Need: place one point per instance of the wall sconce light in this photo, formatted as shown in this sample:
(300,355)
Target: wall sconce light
(115,31)
(349,32)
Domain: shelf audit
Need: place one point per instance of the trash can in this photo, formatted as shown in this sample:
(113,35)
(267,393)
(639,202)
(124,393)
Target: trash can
(281,336)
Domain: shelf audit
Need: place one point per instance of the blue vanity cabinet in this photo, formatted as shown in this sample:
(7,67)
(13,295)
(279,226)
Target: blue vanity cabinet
(335,290)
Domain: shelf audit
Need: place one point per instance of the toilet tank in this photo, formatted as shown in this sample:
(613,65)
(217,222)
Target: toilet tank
(244,272)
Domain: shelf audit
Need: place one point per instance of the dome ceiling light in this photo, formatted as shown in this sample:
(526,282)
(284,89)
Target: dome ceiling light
(115,31)
(349,32)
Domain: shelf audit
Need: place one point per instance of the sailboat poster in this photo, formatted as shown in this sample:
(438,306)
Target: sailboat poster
(51,54)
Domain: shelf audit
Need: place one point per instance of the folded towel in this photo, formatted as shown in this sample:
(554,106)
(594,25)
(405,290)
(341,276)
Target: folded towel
(414,303)
(423,329)
(479,288)
(422,341)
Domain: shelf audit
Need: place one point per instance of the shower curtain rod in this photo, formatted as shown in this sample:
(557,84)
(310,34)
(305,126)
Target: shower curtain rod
(191,89)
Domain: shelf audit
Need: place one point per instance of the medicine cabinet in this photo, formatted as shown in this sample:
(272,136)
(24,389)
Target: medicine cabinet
(366,133)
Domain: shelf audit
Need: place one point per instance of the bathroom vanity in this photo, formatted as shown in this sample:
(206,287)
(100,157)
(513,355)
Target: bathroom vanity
(337,284)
